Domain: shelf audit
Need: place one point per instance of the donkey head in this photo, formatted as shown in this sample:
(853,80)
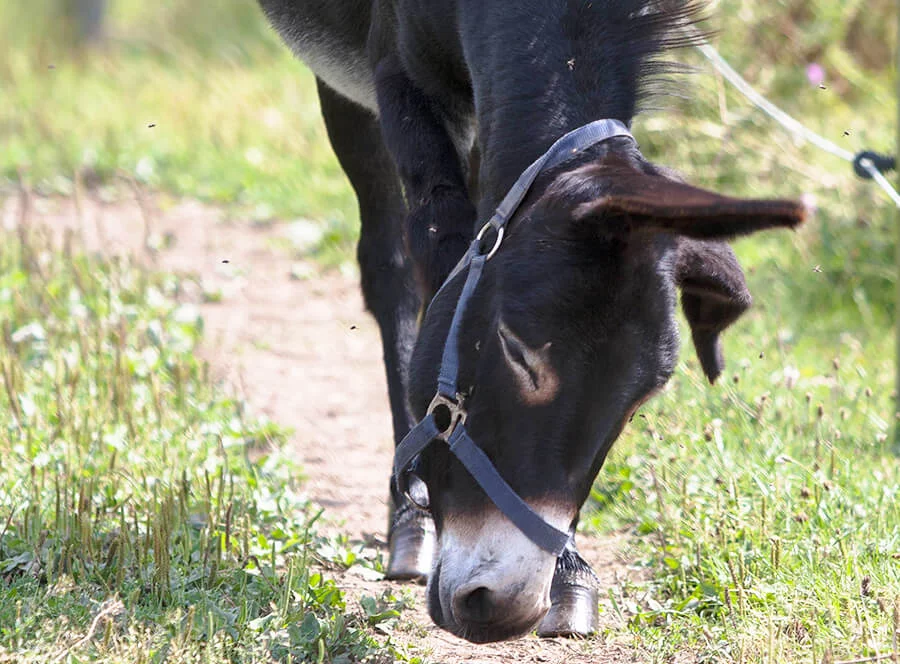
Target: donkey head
(571,329)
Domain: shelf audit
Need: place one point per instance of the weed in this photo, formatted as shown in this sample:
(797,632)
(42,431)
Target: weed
(145,517)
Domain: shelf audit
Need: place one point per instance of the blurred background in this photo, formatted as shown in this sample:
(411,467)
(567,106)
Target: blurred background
(194,99)
(765,520)
(202,100)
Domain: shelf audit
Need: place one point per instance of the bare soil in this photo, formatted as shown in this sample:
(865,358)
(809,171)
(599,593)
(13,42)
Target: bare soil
(295,342)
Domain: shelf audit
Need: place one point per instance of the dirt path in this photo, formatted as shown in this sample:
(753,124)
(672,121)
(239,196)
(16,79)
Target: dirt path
(305,353)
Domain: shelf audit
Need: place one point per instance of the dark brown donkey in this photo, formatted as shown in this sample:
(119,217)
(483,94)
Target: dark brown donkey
(435,108)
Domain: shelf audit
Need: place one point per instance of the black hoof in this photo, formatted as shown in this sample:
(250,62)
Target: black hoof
(573,612)
(412,541)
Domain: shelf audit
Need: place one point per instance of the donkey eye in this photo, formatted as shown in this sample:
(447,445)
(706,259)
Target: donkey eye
(534,372)
(514,350)
(512,346)
(518,354)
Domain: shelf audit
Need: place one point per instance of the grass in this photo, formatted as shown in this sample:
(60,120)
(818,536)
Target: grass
(145,516)
(198,99)
(763,510)
(766,508)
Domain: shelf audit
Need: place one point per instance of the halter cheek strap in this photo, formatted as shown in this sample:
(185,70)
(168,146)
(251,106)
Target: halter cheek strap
(445,419)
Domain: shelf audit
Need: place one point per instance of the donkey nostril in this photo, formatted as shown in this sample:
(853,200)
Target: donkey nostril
(476,606)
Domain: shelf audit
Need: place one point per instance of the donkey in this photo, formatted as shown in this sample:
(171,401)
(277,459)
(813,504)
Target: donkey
(434,110)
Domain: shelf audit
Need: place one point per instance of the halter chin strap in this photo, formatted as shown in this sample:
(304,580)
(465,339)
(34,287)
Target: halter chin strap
(445,420)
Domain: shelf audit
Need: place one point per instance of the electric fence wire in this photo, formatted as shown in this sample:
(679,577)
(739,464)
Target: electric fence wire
(789,123)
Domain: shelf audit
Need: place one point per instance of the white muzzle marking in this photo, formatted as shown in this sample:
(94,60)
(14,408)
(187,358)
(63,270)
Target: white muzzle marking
(493,554)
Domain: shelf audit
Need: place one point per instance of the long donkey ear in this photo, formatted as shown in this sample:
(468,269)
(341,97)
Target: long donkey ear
(654,202)
(713,295)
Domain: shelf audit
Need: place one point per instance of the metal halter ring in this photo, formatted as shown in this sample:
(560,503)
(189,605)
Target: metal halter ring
(454,416)
(484,231)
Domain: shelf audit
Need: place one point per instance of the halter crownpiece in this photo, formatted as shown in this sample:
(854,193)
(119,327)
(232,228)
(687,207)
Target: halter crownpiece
(446,416)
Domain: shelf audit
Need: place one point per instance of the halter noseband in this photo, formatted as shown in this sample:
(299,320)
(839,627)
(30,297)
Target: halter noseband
(446,416)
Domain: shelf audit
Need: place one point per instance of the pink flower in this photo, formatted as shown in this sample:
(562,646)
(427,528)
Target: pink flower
(815,74)
(810,203)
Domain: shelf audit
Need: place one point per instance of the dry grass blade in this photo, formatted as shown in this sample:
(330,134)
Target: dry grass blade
(864,660)
(110,609)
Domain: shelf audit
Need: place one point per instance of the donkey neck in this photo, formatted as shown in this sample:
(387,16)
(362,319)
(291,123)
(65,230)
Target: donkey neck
(550,70)
(512,136)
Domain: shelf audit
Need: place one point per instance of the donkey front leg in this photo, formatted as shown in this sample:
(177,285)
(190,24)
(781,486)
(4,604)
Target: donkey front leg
(573,598)
(441,219)
(389,293)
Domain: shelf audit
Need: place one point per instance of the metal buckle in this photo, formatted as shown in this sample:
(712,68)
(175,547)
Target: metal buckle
(448,412)
(455,415)
(501,230)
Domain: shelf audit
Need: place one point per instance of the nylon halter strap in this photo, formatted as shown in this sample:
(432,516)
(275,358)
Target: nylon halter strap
(445,420)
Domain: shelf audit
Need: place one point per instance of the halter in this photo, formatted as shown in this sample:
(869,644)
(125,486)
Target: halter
(446,416)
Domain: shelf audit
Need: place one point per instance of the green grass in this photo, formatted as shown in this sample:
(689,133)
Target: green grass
(236,121)
(234,116)
(765,509)
(769,532)
(144,516)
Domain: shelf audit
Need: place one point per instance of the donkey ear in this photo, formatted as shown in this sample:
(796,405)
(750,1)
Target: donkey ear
(655,202)
(713,295)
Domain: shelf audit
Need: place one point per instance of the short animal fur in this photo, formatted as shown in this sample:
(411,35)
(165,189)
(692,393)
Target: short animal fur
(434,108)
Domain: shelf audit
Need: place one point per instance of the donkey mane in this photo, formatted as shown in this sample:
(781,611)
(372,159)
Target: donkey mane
(579,306)
(563,64)
(618,46)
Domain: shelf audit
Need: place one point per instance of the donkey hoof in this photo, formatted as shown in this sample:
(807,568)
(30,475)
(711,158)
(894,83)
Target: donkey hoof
(573,612)
(411,550)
